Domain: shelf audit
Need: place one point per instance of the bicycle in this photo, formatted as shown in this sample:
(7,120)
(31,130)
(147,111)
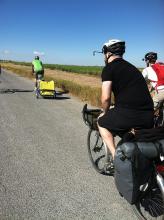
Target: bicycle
(38,78)
(99,153)
(151,202)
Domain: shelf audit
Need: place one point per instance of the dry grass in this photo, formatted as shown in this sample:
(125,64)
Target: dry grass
(80,79)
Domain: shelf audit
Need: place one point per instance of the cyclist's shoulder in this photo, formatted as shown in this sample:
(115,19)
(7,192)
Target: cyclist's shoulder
(158,64)
(109,66)
(148,70)
(36,61)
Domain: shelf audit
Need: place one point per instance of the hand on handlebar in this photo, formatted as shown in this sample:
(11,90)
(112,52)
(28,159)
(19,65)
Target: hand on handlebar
(101,114)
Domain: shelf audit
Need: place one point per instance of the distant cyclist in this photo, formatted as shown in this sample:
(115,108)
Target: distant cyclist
(38,70)
(154,73)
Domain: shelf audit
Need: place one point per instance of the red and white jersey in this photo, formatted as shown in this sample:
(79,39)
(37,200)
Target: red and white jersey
(150,74)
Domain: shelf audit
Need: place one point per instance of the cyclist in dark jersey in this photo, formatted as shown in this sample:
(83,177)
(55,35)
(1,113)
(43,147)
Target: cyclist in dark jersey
(133,103)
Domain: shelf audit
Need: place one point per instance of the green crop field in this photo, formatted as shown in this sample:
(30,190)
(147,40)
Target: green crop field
(84,92)
(91,70)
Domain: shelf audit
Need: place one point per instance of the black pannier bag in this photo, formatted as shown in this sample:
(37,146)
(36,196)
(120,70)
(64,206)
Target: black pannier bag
(133,167)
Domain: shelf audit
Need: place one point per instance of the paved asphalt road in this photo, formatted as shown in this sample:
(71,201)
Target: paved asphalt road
(45,172)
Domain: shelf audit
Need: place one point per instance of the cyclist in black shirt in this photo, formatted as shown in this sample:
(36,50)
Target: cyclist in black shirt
(133,103)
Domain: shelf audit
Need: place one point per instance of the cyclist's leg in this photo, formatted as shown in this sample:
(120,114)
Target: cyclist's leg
(36,80)
(105,125)
(158,97)
(108,138)
(40,75)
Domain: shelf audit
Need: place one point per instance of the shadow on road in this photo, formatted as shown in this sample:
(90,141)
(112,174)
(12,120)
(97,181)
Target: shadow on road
(10,91)
(59,94)
(62,97)
(56,98)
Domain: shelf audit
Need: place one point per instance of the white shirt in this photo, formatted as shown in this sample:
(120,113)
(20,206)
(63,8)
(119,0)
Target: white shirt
(150,74)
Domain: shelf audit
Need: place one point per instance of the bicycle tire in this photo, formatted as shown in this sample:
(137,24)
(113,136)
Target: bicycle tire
(97,152)
(54,95)
(7,91)
(151,204)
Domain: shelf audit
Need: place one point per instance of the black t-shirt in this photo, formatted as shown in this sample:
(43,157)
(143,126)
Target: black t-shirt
(128,85)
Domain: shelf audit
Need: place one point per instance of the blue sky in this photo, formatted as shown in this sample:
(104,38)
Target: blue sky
(67,31)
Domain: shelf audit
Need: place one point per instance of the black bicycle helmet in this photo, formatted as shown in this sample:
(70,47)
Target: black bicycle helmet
(36,57)
(151,56)
(116,47)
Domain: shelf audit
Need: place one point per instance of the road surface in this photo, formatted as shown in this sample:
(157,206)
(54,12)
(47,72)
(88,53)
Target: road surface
(45,172)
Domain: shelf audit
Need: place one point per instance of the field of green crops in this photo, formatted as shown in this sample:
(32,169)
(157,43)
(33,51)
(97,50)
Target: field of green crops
(84,92)
(91,70)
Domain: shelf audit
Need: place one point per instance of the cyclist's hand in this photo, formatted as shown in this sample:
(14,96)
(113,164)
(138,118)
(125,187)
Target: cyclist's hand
(103,113)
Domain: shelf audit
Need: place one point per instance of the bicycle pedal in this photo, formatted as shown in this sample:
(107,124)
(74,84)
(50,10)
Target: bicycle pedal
(109,168)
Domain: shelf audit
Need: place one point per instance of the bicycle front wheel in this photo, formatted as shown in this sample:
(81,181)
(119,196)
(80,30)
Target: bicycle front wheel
(97,151)
(151,204)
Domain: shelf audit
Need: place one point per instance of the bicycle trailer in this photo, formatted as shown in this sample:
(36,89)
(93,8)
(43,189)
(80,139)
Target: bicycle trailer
(46,89)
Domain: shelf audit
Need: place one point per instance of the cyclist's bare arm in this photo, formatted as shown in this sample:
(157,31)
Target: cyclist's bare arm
(106,95)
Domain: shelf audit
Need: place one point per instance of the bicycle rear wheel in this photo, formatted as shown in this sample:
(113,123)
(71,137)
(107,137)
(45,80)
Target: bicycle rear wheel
(98,153)
(151,204)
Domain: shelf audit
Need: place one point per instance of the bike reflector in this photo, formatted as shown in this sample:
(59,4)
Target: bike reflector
(160,168)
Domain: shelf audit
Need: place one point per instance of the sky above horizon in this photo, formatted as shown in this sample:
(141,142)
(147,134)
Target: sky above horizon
(68,31)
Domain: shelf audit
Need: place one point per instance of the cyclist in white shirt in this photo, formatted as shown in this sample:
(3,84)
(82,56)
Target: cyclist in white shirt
(152,76)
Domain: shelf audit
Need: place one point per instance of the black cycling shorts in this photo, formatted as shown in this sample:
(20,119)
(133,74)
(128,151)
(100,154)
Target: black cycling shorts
(120,120)
(39,75)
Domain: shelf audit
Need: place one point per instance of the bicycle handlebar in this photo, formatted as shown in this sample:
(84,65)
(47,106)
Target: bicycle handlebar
(90,116)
